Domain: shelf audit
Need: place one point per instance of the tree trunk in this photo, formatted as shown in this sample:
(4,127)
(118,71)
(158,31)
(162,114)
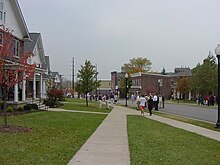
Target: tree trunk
(4,108)
(87,101)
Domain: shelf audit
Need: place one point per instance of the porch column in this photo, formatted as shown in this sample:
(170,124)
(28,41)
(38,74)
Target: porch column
(178,95)
(41,85)
(190,95)
(16,91)
(34,87)
(23,88)
(44,89)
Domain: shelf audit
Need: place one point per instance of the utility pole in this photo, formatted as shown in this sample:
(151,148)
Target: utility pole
(96,91)
(73,87)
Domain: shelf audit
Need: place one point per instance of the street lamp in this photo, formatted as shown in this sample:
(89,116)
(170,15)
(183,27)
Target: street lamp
(126,89)
(217,52)
(159,81)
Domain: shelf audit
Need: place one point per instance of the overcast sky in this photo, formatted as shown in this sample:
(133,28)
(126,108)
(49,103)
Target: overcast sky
(170,33)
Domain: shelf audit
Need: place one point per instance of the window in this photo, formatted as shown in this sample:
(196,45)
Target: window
(1,39)
(1,10)
(16,47)
(5,16)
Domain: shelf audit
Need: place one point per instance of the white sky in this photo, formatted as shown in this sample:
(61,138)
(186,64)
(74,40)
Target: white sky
(170,33)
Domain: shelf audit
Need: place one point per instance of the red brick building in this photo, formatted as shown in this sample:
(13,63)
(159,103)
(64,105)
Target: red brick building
(145,83)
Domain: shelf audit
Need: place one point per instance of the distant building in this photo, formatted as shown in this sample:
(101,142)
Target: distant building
(105,87)
(56,79)
(146,83)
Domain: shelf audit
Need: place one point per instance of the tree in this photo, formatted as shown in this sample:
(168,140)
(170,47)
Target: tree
(13,70)
(87,79)
(138,64)
(204,77)
(183,85)
(163,72)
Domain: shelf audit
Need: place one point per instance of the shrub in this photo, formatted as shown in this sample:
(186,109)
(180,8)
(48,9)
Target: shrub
(49,102)
(27,107)
(1,105)
(20,109)
(55,94)
(10,109)
(58,104)
(34,106)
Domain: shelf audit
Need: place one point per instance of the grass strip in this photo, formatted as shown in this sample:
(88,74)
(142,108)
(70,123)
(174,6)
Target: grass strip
(188,120)
(185,119)
(80,105)
(56,137)
(151,142)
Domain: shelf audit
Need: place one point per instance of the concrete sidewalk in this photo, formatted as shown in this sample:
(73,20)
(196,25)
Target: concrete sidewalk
(64,110)
(108,145)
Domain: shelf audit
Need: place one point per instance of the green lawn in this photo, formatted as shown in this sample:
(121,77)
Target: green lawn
(188,120)
(151,142)
(184,119)
(80,105)
(56,137)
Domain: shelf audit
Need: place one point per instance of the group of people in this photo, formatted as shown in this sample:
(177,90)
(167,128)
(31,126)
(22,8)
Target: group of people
(206,100)
(112,98)
(150,101)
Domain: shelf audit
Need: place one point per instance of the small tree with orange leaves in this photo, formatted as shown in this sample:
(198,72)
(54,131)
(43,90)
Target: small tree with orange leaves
(13,68)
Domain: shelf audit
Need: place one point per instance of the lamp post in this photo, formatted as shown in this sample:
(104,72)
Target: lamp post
(217,52)
(159,81)
(126,89)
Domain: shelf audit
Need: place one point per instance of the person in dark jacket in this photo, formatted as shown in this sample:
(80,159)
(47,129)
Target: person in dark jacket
(150,105)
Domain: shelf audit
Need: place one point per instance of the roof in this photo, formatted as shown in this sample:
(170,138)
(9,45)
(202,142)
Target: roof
(53,74)
(20,17)
(29,46)
(46,65)
(35,43)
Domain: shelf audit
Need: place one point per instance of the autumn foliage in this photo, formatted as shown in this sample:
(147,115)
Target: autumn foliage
(55,94)
(14,65)
(13,68)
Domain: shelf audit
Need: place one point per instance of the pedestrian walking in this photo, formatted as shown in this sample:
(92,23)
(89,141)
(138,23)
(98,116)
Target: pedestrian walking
(160,101)
(142,104)
(163,101)
(112,99)
(107,101)
(155,100)
(138,102)
(115,98)
(100,101)
(150,105)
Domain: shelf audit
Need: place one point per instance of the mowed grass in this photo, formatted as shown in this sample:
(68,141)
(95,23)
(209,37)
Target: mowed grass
(184,119)
(151,142)
(80,105)
(56,137)
(188,120)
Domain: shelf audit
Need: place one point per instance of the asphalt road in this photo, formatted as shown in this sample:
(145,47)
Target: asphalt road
(208,114)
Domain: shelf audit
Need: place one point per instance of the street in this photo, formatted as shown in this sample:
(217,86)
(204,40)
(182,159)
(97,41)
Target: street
(208,114)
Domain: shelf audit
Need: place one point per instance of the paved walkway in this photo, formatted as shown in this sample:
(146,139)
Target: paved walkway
(109,143)
(64,110)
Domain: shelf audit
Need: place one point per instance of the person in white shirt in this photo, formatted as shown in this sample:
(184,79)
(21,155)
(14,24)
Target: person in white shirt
(155,100)
(142,104)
